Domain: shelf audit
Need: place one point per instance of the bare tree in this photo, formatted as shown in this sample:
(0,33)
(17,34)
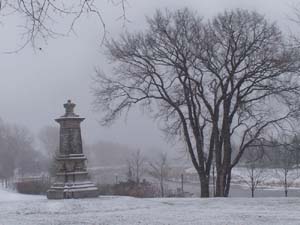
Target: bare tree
(135,166)
(283,173)
(295,144)
(49,138)
(40,17)
(7,160)
(285,170)
(209,83)
(256,176)
(160,170)
(17,152)
(253,160)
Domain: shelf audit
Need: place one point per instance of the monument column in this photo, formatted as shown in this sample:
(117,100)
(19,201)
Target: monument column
(72,180)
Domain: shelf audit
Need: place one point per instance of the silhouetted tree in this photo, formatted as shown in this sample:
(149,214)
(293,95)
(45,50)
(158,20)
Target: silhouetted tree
(232,77)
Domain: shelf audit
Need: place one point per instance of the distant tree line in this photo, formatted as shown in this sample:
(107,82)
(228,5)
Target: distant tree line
(18,152)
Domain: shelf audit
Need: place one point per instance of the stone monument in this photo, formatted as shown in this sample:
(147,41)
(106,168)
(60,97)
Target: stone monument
(72,179)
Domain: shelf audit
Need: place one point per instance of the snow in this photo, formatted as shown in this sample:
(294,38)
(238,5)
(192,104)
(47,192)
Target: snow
(9,196)
(269,178)
(17,209)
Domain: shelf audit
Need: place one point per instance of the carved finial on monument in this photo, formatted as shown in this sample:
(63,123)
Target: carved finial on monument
(69,106)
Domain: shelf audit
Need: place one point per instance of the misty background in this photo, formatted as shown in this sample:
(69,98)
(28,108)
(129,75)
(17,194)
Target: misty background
(36,83)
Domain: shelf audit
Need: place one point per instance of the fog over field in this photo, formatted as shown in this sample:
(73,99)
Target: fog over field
(35,84)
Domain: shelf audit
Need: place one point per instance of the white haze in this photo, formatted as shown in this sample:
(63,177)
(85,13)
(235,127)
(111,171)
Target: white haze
(35,84)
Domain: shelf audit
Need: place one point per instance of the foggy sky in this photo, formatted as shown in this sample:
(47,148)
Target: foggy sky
(34,85)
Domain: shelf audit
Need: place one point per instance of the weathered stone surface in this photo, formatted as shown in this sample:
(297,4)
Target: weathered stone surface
(72,179)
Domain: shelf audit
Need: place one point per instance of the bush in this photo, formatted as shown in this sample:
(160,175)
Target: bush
(130,188)
(105,189)
(33,186)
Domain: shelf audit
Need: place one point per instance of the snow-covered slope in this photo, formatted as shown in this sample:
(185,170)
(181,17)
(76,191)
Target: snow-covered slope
(6,195)
(18,209)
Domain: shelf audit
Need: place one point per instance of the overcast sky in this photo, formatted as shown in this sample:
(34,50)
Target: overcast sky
(34,85)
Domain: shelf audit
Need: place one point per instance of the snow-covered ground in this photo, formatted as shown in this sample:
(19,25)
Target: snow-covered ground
(17,209)
(270,178)
(9,196)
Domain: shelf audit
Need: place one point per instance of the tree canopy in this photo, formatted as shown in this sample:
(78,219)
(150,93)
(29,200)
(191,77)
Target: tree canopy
(217,83)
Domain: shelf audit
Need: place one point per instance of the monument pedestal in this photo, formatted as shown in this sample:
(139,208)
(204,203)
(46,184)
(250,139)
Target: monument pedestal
(72,179)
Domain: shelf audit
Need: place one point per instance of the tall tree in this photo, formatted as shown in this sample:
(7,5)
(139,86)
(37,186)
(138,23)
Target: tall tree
(212,83)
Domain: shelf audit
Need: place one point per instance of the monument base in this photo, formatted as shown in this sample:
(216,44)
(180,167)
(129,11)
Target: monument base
(86,190)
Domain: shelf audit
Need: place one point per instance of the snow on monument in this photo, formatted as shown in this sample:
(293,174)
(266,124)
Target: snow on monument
(72,179)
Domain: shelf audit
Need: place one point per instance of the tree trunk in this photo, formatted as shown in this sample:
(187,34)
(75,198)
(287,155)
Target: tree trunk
(204,185)
(220,182)
(162,187)
(219,185)
(252,182)
(285,183)
(227,185)
(214,181)
(223,183)
(285,190)
(182,191)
